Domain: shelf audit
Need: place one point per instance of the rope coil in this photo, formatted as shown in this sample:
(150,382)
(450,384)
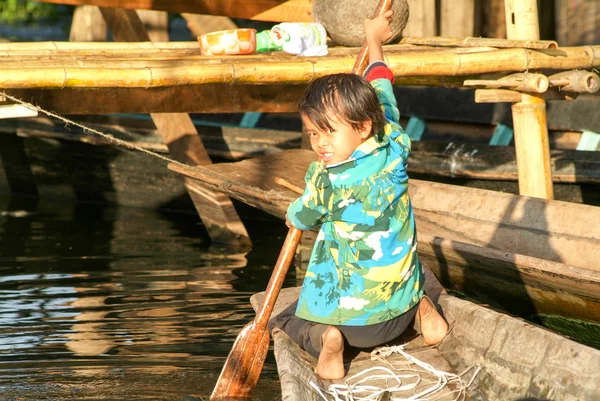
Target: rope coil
(413,374)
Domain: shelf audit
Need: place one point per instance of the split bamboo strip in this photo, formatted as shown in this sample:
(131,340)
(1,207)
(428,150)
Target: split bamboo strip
(263,69)
(479,42)
(497,96)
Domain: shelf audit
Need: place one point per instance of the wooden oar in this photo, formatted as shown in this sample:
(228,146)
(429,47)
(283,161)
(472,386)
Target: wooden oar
(247,356)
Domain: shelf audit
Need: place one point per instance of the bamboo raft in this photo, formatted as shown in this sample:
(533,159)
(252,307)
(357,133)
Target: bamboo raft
(517,360)
(530,255)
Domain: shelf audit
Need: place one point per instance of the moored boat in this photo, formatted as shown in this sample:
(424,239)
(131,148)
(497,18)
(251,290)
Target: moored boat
(529,255)
(504,357)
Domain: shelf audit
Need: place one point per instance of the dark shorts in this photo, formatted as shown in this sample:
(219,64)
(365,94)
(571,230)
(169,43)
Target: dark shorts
(308,334)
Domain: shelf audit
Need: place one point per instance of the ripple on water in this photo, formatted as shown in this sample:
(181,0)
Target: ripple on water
(102,304)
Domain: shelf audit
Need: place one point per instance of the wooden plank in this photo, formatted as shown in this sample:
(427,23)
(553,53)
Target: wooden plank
(179,133)
(422,19)
(88,25)
(457,18)
(16,111)
(265,10)
(428,103)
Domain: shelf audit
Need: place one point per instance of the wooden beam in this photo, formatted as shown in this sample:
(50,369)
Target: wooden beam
(179,133)
(174,99)
(529,115)
(264,10)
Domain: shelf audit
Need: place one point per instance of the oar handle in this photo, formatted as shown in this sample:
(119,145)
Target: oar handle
(362,60)
(286,255)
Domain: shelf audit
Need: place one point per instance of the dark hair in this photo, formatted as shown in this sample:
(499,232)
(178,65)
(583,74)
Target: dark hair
(349,97)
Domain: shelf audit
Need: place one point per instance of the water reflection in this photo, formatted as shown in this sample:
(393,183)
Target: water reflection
(102,303)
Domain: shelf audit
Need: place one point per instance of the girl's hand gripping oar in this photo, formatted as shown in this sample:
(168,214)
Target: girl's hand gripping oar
(247,356)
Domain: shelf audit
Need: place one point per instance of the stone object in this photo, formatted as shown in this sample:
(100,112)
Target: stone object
(344,20)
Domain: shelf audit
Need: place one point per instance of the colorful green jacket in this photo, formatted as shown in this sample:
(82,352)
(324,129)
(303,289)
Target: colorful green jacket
(364,267)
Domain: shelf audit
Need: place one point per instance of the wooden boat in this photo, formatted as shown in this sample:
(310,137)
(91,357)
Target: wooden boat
(505,357)
(58,156)
(531,256)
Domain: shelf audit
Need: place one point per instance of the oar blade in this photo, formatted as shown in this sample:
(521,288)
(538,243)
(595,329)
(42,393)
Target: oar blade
(244,364)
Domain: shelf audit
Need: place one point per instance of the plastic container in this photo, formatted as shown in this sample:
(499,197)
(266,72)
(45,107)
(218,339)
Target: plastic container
(304,39)
(232,41)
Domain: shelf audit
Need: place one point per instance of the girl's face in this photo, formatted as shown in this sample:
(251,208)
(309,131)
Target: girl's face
(336,145)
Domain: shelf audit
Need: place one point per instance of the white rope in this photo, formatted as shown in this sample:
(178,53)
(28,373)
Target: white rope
(413,374)
(88,130)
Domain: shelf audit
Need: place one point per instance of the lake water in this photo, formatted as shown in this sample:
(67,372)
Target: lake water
(100,303)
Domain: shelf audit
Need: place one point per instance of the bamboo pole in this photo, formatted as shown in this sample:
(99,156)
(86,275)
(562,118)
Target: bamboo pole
(576,81)
(532,147)
(537,83)
(257,70)
(522,20)
(529,114)
(479,42)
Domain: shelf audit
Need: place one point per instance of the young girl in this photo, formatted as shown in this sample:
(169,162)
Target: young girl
(364,283)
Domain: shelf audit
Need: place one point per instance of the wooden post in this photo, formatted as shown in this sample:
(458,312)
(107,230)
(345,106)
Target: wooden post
(88,25)
(422,19)
(529,115)
(457,18)
(156,24)
(179,133)
(494,19)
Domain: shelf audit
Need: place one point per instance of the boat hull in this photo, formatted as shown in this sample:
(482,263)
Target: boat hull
(518,360)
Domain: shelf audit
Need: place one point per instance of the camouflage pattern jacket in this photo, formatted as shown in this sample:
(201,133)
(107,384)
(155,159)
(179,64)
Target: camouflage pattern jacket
(364,267)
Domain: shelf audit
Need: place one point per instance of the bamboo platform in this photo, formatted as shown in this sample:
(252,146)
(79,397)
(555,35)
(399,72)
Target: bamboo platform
(149,67)
(94,78)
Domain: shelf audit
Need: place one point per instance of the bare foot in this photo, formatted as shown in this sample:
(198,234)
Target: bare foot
(433,326)
(331,363)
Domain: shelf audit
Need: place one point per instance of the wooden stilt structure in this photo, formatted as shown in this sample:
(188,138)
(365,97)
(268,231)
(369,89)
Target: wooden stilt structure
(529,114)
(179,133)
